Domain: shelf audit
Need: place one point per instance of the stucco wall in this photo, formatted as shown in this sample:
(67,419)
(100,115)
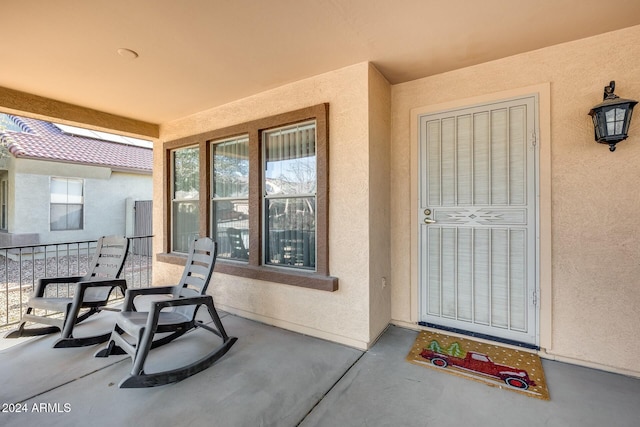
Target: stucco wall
(104,199)
(379,202)
(342,316)
(595,290)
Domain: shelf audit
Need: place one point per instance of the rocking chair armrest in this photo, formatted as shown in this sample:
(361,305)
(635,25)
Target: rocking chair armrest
(132,293)
(42,283)
(197,300)
(82,286)
(96,283)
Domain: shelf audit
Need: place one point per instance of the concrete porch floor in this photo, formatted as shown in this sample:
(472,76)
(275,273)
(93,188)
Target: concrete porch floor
(273,377)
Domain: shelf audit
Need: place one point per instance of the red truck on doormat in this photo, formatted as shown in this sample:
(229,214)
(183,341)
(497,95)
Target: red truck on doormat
(481,363)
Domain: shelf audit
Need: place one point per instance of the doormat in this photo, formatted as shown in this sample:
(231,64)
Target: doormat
(491,364)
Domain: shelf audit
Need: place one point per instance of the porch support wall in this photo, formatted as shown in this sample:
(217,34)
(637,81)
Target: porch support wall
(379,202)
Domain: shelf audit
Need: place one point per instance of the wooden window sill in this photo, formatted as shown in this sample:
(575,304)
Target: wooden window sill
(282,275)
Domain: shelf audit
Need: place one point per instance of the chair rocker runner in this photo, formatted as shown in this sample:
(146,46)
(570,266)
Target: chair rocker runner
(92,292)
(175,316)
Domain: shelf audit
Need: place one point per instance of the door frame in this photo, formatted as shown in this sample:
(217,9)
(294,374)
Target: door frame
(543,272)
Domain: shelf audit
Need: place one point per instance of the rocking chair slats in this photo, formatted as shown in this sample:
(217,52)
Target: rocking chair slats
(134,332)
(109,252)
(92,292)
(198,270)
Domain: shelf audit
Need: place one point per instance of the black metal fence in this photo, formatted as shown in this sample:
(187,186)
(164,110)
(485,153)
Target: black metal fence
(22,266)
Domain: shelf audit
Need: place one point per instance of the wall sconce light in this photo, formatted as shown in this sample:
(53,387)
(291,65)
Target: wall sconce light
(611,118)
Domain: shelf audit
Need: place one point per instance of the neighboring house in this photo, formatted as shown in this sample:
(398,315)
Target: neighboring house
(59,187)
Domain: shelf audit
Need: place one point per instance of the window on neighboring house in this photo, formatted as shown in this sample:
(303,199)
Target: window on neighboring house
(185,214)
(67,204)
(267,197)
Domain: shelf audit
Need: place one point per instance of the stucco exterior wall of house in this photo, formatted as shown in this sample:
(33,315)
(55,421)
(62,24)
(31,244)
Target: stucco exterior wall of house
(105,192)
(592,300)
(342,316)
(379,201)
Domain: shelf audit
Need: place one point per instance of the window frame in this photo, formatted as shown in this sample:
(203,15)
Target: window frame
(266,198)
(172,190)
(319,279)
(213,199)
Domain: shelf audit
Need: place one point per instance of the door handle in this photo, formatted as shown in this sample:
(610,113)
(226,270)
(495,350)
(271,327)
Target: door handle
(429,221)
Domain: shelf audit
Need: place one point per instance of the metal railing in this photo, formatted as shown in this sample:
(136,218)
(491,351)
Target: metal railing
(22,266)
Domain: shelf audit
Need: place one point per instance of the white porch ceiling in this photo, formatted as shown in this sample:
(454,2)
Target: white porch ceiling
(198,54)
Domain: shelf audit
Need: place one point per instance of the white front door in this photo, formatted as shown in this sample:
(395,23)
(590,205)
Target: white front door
(477,220)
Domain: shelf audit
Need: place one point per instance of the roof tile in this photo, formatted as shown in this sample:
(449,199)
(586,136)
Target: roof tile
(47,142)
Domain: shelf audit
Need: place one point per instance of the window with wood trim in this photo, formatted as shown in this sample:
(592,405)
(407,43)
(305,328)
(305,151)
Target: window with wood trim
(185,192)
(264,197)
(289,201)
(230,197)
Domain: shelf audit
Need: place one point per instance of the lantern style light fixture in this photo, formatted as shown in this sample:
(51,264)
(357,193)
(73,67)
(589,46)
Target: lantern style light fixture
(611,118)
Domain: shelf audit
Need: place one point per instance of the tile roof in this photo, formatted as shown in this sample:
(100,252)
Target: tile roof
(42,140)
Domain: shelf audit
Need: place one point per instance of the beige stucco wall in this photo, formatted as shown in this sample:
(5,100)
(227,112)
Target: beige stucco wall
(379,202)
(593,288)
(589,286)
(344,315)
